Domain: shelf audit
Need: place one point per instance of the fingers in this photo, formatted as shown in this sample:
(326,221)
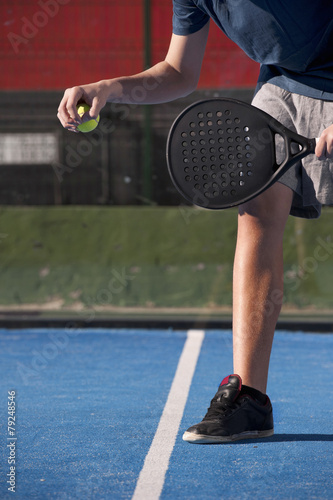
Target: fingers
(67,112)
(324,148)
(320,150)
(95,109)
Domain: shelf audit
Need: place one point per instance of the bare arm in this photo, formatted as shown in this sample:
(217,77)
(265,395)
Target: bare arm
(174,77)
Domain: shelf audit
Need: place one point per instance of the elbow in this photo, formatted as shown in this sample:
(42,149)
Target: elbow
(186,82)
(185,86)
(189,88)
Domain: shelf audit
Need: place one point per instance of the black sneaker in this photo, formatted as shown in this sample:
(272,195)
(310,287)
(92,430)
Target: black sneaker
(233,414)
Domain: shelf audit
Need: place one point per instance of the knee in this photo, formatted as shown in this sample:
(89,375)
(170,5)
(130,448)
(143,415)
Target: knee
(268,211)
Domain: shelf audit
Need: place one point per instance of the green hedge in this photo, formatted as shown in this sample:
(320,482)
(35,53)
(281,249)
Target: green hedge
(147,256)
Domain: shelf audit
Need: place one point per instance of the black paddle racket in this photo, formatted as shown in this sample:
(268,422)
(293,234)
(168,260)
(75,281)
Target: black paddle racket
(222,152)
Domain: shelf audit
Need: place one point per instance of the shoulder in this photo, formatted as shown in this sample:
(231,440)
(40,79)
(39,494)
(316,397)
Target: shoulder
(187,17)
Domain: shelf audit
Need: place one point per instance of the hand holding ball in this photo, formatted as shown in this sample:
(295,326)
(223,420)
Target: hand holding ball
(91,124)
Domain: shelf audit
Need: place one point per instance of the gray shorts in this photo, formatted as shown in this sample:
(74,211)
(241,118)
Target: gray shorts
(310,179)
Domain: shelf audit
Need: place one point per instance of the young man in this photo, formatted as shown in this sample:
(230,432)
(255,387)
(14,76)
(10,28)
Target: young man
(293,42)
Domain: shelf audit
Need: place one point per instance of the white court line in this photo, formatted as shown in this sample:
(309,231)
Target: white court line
(152,475)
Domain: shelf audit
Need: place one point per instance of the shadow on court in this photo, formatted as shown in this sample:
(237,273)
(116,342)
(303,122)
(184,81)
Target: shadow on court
(277,438)
(282,438)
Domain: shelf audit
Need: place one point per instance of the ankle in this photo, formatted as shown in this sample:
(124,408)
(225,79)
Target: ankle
(259,396)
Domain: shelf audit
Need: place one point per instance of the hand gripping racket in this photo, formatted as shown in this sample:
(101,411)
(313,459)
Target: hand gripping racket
(221,152)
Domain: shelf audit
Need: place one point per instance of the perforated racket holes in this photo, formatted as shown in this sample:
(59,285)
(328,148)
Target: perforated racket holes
(241,182)
(217,153)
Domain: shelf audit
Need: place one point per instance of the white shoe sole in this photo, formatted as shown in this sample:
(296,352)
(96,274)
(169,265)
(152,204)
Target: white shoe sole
(190,437)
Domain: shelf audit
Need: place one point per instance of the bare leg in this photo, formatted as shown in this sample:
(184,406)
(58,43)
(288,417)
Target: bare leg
(258,282)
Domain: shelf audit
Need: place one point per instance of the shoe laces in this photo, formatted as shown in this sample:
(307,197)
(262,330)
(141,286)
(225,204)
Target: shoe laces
(219,406)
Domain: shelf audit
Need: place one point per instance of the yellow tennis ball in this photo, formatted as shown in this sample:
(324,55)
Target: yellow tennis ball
(91,124)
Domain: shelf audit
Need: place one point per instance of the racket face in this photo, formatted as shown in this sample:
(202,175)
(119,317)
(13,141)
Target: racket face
(221,152)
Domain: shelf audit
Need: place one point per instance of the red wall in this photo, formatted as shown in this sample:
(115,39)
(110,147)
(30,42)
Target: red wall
(55,44)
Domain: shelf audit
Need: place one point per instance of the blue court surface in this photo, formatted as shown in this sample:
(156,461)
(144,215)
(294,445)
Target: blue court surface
(99,414)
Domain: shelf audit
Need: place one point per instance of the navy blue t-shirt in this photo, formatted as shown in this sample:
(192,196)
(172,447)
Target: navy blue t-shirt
(291,39)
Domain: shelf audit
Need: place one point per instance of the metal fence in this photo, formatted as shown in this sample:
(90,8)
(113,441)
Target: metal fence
(49,45)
